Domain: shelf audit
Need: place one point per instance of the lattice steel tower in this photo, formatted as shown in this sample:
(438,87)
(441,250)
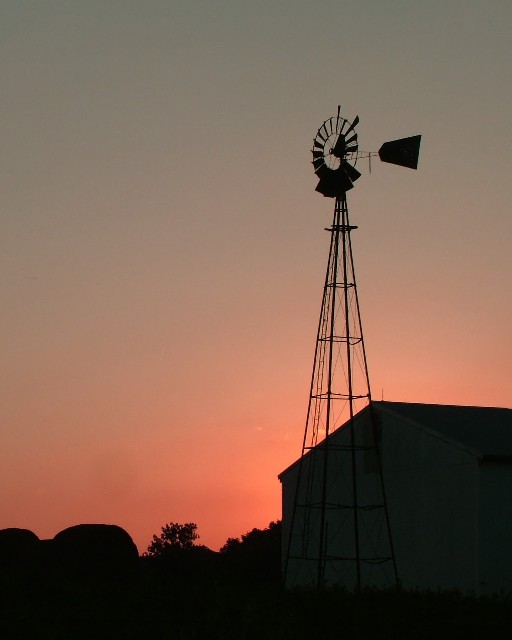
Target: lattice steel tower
(337,530)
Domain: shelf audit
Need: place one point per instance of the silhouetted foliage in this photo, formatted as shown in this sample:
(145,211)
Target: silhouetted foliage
(176,561)
(256,556)
(174,537)
(270,537)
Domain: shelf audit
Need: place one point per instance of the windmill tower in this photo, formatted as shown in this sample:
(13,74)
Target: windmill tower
(337,530)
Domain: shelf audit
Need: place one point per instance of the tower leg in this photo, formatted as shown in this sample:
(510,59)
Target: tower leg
(336,525)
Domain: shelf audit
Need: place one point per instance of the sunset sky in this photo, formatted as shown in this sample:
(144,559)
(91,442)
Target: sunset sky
(163,247)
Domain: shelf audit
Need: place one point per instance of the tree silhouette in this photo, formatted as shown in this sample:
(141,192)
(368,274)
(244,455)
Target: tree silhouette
(256,557)
(174,537)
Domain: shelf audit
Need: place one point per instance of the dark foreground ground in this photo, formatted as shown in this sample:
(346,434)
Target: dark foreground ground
(157,603)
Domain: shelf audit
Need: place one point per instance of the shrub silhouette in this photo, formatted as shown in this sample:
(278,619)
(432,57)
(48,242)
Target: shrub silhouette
(174,537)
(174,556)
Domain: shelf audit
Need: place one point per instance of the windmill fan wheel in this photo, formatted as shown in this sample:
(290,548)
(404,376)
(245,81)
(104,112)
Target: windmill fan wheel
(335,143)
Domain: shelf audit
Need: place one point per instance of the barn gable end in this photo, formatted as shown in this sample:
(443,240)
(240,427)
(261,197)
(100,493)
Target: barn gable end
(448,477)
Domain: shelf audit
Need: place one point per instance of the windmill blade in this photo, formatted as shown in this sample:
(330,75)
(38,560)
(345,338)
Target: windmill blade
(339,148)
(340,122)
(351,172)
(317,154)
(333,184)
(332,189)
(343,181)
(354,124)
(320,135)
(323,188)
(352,149)
(317,144)
(318,164)
(403,152)
(323,171)
(351,139)
(326,183)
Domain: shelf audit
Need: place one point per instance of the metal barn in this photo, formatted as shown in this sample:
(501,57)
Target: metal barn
(447,474)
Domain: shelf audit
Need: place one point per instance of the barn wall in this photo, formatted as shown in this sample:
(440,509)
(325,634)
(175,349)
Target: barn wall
(450,515)
(433,506)
(299,573)
(495,531)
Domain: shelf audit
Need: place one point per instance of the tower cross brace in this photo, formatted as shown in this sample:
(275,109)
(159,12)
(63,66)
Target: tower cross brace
(339,529)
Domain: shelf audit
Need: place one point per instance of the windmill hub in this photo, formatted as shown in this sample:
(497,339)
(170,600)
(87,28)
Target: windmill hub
(336,143)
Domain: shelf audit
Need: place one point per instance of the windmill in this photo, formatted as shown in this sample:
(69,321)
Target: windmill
(337,529)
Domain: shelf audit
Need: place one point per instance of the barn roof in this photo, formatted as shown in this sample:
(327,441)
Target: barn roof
(484,431)
(487,431)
